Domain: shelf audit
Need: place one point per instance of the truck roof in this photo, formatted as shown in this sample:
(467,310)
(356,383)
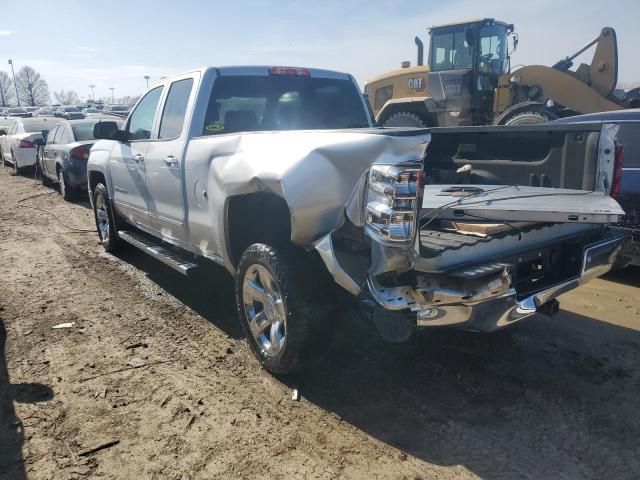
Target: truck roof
(263,70)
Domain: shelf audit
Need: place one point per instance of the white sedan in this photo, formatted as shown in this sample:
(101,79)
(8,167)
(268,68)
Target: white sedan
(18,147)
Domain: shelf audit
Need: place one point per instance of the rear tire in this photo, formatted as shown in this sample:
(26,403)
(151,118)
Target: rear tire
(405,119)
(104,216)
(284,306)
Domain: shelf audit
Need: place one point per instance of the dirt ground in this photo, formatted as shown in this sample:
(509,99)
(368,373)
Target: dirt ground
(154,371)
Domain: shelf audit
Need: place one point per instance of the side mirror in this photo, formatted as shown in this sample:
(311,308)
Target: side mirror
(106,131)
(469,36)
(515,42)
(38,142)
(2,131)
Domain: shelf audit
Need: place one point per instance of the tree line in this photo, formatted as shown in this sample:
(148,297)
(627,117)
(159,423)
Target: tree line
(32,88)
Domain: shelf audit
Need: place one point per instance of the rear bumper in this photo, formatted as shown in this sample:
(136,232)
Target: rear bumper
(76,173)
(506,307)
(25,157)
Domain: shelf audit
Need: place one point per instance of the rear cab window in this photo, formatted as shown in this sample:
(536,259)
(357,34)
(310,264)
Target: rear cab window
(247,103)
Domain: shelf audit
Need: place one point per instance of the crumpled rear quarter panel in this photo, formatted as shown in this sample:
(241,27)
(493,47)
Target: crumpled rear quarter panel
(316,172)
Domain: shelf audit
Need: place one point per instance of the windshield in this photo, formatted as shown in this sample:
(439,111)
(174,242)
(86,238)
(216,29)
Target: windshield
(279,102)
(493,50)
(17,110)
(450,51)
(71,109)
(83,131)
(119,108)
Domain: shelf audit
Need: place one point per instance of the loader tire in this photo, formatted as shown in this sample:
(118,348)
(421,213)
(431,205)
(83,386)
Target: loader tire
(529,118)
(405,119)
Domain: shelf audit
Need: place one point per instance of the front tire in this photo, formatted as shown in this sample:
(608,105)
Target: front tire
(284,307)
(104,216)
(65,190)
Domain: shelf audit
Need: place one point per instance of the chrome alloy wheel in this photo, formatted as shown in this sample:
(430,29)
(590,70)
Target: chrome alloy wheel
(102,218)
(265,310)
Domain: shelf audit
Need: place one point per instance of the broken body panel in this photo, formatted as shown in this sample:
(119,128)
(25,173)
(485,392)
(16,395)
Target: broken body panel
(485,254)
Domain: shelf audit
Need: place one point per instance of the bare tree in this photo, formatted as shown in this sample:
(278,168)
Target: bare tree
(33,90)
(66,97)
(7,93)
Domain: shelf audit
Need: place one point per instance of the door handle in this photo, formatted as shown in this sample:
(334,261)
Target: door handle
(171,161)
(138,157)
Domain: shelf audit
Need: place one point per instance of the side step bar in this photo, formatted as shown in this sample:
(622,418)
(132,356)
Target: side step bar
(169,258)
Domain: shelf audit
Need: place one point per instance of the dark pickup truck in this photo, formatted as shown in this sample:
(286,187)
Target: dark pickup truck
(628,195)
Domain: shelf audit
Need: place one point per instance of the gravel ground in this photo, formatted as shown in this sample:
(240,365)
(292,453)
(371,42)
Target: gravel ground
(153,380)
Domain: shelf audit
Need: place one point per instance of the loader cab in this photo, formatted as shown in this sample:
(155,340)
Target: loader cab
(465,62)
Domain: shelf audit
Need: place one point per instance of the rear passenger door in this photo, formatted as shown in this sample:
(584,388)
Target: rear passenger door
(49,141)
(127,162)
(165,161)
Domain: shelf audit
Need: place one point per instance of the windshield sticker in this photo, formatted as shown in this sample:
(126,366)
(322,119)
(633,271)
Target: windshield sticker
(214,127)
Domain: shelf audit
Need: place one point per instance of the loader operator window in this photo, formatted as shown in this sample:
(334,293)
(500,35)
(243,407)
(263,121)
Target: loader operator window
(450,51)
(492,57)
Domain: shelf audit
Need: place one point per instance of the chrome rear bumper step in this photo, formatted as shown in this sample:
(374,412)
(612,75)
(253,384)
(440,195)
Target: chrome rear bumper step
(169,258)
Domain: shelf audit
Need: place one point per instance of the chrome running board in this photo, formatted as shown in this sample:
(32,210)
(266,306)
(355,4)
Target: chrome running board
(169,258)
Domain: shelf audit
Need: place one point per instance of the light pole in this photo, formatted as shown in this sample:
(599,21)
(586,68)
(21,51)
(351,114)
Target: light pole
(112,100)
(93,93)
(147,77)
(14,81)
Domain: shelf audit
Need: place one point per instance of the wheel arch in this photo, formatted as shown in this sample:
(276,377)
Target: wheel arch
(522,107)
(417,105)
(259,217)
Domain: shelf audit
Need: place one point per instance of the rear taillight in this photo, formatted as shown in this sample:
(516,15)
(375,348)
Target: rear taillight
(79,152)
(292,71)
(25,144)
(617,171)
(392,201)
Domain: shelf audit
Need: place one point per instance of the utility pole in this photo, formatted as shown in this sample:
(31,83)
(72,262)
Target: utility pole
(93,93)
(112,99)
(147,77)
(14,81)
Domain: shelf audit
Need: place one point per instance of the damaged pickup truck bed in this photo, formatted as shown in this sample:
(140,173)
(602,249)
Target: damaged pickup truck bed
(276,174)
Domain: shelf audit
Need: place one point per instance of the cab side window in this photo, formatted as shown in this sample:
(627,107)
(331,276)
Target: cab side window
(52,135)
(175,108)
(141,120)
(58,136)
(65,137)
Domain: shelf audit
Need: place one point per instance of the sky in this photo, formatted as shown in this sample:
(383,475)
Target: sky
(115,44)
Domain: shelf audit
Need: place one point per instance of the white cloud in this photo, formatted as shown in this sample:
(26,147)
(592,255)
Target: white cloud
(4,33)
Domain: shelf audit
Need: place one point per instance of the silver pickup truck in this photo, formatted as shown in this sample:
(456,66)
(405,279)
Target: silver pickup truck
(278,175)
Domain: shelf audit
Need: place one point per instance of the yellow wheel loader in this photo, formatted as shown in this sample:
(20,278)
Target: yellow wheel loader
(469,81)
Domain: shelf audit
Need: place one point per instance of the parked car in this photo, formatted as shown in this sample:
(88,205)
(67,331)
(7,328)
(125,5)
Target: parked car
(121,110)
(66,150)
(69,113)
(18,112)
(31,110)
(44,112)
(277,174)
(628,195)
(90,111)
(18,146)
